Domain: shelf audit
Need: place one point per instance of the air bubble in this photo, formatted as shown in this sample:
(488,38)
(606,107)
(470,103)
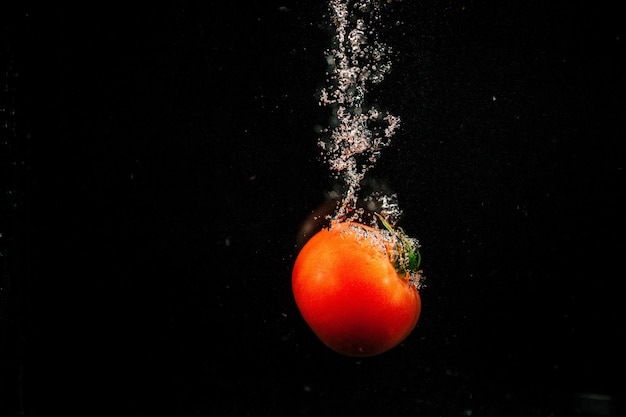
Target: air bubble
(358,131)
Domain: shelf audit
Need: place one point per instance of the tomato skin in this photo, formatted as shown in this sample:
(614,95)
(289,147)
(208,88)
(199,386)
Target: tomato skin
(350,294)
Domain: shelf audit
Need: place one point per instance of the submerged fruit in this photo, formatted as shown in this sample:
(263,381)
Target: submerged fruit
(357,287)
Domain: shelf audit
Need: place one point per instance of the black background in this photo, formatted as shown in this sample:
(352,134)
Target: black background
(159,163)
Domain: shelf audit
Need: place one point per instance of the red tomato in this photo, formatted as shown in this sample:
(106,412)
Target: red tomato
(350,293)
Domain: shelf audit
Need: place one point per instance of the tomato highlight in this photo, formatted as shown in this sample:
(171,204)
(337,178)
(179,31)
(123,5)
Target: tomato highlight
(357,287)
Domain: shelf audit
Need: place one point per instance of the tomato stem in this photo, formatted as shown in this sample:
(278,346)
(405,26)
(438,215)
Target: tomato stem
(408,257)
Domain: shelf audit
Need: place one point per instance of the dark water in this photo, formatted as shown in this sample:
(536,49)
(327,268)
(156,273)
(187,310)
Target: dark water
(157,165)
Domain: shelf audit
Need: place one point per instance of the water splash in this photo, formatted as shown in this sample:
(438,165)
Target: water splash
(359,131)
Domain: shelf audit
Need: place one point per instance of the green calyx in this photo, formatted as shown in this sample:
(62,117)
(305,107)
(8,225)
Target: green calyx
(407,258)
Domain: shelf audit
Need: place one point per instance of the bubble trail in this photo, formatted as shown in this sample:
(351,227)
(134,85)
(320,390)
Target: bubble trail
(359,131)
